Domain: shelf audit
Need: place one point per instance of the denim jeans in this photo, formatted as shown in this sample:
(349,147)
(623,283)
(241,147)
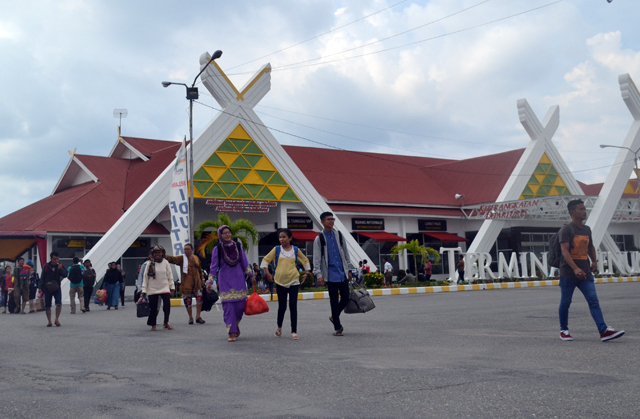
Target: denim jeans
(588,289)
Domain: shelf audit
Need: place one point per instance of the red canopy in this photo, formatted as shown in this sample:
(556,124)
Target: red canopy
(446,237)
(382,236)
(305,235)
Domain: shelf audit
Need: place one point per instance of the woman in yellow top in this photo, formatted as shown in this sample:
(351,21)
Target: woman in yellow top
(287,278)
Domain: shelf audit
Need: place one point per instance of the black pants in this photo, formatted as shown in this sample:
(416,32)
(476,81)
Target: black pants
(122,294)
(292,292)
(5,293)
(335,288)
(153,308)
(88,291)
(460,275)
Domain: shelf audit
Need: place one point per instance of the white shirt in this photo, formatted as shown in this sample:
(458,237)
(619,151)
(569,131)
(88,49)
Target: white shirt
(388,267)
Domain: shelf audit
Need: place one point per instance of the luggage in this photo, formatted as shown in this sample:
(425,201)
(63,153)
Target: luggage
(359,300)
(39,304)
(255,304)
(11,304)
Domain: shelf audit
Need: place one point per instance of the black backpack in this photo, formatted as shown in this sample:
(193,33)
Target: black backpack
(554,258)
(75,274)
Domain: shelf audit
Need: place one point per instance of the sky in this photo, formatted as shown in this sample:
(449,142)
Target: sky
(436,78)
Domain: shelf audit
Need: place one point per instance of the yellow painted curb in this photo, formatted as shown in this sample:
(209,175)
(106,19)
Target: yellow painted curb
(176,302)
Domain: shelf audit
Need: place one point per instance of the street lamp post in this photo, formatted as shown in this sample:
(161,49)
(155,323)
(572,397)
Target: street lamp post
(192,94)
(635,161)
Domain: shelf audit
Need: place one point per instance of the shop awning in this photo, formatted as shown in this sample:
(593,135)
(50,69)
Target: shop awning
(382,236)
(446,237)
(305,235)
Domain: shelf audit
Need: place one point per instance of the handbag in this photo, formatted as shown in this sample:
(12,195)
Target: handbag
(359,300)
(142,307)
(255,304)
(52,286)
(209,298)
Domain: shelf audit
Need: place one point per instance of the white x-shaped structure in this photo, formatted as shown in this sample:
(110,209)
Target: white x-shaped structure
(614,185)
(541,134)
(237,108)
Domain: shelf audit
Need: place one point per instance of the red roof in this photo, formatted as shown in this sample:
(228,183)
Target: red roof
(382,236)
(94,207)
(347,176)
(384,209)
(445,237)
(350,181)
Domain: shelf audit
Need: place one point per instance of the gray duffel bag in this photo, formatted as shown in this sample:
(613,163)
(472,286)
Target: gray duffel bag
(359,300)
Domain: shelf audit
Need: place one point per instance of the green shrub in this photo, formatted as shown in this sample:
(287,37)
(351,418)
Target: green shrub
(373,280)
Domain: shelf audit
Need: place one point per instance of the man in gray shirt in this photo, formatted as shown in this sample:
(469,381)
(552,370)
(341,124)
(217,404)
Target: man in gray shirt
(575,271)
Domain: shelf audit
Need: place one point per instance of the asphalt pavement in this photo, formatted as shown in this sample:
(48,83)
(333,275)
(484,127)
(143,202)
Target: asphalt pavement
(481,354)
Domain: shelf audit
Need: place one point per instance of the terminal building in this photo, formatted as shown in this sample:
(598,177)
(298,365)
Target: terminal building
(115,207)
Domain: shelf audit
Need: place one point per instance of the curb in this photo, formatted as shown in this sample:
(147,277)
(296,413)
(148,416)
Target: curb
(324,295)
(454,288)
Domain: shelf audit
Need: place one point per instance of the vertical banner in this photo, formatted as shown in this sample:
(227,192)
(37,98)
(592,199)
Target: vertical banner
(179,204)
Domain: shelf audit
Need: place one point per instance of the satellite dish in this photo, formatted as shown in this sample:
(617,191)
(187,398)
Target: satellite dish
(120,113)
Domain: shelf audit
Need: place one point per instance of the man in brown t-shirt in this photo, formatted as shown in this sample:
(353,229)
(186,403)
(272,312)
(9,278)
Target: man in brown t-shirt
(191,281)
(575,271)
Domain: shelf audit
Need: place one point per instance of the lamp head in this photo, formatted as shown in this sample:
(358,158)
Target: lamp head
(216,55)
(603,146)
(166,83)
(458,196)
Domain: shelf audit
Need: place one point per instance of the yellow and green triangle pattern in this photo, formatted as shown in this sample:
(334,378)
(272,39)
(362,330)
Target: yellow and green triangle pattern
(545,181)
(239,170)
(630,188)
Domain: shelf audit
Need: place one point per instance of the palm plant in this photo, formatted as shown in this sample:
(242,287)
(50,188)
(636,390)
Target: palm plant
(416,248)
(241,229)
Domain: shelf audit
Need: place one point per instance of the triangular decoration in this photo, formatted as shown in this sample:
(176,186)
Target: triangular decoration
(238,169)
(239,144)
(215,192)
(545,181)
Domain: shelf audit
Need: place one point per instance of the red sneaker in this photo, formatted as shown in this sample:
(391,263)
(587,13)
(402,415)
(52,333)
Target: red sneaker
(610,334)
(565,335)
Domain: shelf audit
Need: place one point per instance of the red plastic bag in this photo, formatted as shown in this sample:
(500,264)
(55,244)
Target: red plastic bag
(101,296)
(255,304)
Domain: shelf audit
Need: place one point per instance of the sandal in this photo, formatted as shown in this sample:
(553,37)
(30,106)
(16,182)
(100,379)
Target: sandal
(168,326)
(338,333)
(200,321)
(49,325)
(278,332)
(153,328)
(191,321)
(294,336)
(57,323)
(232,337)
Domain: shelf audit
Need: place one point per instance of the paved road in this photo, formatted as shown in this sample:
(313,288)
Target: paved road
(483,354)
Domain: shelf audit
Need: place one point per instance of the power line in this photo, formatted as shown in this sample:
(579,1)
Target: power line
(302,64)
(392,36)
(382,158)
(322,34)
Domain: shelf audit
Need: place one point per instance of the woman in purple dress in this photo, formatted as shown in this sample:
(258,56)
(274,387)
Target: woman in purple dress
(229,264)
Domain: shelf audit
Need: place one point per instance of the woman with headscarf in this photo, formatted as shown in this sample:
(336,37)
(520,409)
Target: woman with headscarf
(158,283)
(229,264)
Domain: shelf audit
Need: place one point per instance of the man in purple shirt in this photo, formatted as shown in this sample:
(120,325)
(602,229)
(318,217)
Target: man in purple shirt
(330,265)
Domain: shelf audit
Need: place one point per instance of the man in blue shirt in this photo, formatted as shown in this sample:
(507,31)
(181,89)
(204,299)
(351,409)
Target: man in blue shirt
(330,265)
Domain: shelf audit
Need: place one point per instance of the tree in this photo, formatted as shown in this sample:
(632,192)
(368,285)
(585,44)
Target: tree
(417,249)
(241,229)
